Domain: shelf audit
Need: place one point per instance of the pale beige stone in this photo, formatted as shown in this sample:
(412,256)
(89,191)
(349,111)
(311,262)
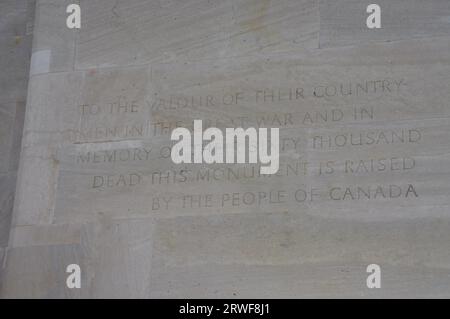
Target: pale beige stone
(53,42)
(66,234)
(114,257)
(297,281)
(7,189)
(16,23)
(138,31)
(95,174)
(45,276)
(343,22)
(286,255)
(15,40)
(6,132)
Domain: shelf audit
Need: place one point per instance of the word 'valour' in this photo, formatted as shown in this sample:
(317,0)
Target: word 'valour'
(236,142)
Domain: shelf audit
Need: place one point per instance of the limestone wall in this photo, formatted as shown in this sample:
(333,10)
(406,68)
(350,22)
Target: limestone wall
(16,27)
(364,151)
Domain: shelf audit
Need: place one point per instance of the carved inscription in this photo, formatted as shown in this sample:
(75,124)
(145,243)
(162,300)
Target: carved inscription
(325,147)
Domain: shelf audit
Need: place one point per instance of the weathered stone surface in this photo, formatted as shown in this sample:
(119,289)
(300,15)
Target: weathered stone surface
(343,22)
(16,22)
(364,151)
(6,132)
(40,141)
(114,257)
(53,43)
(7,189)
(298,281)
(2,256)
(139,31)
(258,255)
(111,161)
(16,138)
(47,272)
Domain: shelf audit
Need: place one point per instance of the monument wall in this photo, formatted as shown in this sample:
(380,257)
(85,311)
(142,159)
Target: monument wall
(364,151)
(16,27)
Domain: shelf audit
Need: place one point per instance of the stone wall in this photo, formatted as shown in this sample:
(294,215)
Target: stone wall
(364,139)
(16,27)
